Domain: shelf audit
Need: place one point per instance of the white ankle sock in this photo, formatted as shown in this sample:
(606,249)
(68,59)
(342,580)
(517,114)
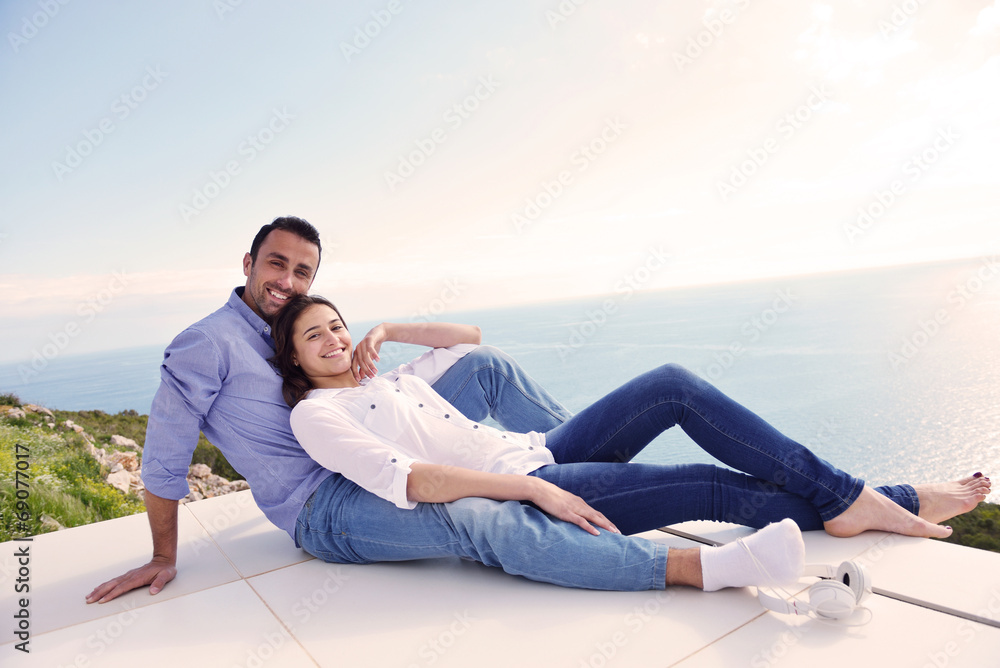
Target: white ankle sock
(777,547)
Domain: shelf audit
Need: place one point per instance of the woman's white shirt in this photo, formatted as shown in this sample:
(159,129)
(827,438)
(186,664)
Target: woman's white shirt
(372,434)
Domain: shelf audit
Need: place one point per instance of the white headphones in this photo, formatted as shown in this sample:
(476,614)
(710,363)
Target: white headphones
(836,596)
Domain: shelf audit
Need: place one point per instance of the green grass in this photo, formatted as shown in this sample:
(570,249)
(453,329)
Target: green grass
(58,476)
(130,424)
(54,476)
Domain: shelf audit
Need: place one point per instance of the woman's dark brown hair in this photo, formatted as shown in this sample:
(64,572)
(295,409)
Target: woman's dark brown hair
(296,383)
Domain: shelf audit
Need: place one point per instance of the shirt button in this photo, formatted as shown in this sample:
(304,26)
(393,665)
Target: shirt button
(446,415)
(397,389)
(393,460)
(531,447)
(373,405)
(503,437)
(420,405)
(475,426)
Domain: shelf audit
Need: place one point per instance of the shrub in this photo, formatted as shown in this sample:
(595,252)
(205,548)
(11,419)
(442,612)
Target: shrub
(63,481)
(977,528)
(130,424)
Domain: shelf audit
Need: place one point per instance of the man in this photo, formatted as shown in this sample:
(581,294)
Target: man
(216,378)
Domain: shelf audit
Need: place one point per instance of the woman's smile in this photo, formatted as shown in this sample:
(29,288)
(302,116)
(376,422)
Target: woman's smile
(323,347)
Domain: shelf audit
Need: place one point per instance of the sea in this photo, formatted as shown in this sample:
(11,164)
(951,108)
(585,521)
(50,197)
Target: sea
(892,374)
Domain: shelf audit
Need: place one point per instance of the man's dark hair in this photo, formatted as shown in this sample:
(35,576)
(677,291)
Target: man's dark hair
(291,224)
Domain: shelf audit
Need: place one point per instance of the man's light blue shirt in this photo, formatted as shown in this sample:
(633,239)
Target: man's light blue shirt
(215,378)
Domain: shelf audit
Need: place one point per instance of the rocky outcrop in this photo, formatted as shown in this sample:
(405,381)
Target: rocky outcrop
(122,442)
(122,462)
(204,484)
(69,424)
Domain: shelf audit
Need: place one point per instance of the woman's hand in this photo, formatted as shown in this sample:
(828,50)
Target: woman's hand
(569,508)
(366,353)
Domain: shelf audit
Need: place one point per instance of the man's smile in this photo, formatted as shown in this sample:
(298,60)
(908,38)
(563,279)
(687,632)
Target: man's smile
(278,295)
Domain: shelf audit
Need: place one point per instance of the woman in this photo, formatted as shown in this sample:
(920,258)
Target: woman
(398,439)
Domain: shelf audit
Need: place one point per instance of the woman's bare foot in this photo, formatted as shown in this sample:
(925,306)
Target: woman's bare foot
(873,511)
(941,501)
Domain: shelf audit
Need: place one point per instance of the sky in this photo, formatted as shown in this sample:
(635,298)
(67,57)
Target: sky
(463,156)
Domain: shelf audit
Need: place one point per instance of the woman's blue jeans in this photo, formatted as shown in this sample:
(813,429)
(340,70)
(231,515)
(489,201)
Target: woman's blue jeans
(343,523)
(780,478)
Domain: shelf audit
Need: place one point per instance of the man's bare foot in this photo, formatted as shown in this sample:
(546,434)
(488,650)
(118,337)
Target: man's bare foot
(941,501)
(873,511)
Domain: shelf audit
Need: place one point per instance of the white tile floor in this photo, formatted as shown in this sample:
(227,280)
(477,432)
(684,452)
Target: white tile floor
(245,596)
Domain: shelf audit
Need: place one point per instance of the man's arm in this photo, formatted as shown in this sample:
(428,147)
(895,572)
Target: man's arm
(162,568)
(190,380)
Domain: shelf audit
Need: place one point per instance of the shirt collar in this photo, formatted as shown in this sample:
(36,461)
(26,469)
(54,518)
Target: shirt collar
(318,392)
(255,321)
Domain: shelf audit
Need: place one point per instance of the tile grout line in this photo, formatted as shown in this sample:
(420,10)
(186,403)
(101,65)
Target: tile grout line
(706,541)
(213,541)
(134,609)
(291,632)
(246,580)
(902,598)
(724,635)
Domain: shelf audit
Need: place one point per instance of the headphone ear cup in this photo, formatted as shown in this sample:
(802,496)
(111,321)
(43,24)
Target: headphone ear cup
(855,576)
(832,599)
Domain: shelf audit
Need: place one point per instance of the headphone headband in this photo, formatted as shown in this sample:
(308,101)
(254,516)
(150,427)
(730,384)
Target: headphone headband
(825,571)
(836,596)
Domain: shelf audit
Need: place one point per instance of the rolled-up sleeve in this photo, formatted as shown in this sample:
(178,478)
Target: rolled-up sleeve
(190,378)
(433,364)
(338,442)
